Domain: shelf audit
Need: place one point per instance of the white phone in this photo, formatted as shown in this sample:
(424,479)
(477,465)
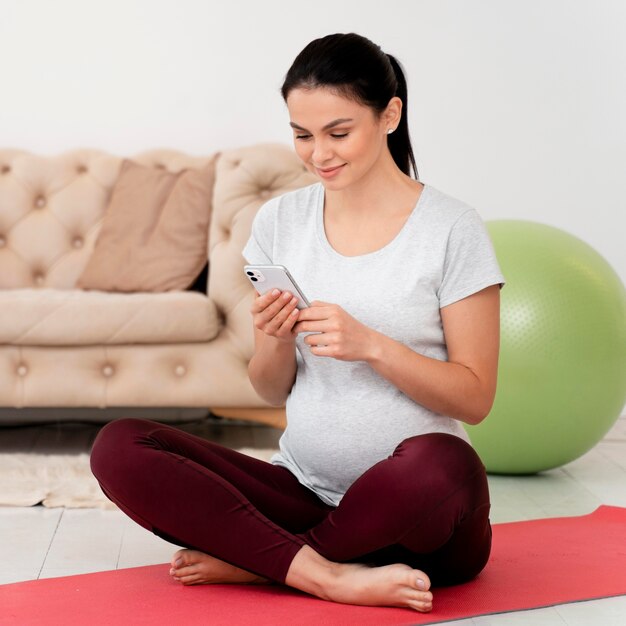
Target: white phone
(264,278)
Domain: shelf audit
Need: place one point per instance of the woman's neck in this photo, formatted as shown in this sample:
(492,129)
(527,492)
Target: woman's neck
(384,190)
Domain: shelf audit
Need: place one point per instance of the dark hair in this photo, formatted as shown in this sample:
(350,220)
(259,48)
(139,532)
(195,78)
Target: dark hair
(356,68)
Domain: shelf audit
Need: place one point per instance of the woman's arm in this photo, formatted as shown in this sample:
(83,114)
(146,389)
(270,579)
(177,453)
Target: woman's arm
(272,369)
(463,387)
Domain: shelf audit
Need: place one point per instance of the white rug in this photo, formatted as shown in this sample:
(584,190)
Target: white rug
(65,480)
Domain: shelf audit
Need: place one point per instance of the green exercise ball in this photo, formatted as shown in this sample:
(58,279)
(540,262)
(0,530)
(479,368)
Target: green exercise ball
(562,367)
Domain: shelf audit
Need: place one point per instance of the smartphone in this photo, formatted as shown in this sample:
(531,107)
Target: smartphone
(264,278)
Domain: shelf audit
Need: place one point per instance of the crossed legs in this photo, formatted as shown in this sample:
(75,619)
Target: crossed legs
(421,513)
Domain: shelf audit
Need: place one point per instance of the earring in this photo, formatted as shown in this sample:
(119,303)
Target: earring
(390,130)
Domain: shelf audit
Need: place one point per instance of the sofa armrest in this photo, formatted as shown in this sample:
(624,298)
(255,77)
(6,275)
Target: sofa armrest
(245,179)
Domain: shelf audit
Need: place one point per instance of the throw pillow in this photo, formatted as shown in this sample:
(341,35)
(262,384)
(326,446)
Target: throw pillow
(155,230)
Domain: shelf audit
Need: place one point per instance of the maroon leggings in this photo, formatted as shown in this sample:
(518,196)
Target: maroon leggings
(426,505)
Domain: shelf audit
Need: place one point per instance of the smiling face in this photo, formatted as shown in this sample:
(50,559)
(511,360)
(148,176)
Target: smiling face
(337,139)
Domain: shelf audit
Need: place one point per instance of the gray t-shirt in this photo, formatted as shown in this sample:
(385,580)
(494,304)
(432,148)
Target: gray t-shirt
(342,416)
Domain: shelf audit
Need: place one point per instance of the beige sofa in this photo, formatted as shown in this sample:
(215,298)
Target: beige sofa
(104,353)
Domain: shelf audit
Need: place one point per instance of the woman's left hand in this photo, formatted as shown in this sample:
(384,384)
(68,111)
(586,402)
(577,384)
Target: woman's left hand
(340,335)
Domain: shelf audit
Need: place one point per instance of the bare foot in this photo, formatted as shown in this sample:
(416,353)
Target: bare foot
(387,585)
(355,583)
(191,567)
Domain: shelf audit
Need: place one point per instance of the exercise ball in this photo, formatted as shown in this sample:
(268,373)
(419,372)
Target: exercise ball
(562,367)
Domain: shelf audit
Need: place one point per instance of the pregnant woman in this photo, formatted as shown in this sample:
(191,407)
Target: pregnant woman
(376,496)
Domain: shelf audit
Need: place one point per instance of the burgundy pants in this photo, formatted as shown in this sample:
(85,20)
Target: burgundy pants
(426,505)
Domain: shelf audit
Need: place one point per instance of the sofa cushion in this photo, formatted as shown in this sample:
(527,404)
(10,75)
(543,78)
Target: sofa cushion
(56,317)
(155,230)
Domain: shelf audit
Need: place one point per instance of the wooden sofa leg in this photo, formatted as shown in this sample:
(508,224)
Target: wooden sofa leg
(271,417)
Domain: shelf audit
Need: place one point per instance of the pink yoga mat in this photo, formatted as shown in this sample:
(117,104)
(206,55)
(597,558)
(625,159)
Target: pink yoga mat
(533,564)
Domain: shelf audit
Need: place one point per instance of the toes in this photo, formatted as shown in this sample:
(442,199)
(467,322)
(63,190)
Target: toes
(419,600)
(423,596)
(181,556)
(420,580)
(189,580)
(416,580)
(422,607)
(181,572)
(186,580)
(419,596)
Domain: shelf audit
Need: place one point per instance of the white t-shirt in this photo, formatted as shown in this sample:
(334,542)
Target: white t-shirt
(342,416)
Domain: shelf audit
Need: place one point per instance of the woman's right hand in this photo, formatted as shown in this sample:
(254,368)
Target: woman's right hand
(275,313)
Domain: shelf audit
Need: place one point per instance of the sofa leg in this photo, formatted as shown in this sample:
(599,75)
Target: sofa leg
(274,417)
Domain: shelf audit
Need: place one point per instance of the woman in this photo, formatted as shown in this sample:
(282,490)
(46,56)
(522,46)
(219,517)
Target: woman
(376,492)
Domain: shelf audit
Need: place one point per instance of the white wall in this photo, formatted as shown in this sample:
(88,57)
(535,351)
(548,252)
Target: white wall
(518,108)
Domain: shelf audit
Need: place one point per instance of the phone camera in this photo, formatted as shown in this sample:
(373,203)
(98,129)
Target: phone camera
(255,276)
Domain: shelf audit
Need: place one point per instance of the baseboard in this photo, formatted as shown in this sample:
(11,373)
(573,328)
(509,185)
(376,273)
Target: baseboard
(46,415)
(274,417)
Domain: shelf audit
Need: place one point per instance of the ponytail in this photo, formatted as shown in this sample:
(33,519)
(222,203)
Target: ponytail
(399,141)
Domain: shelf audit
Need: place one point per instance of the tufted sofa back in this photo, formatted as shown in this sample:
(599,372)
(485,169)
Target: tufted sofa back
(52,207)
(51,211)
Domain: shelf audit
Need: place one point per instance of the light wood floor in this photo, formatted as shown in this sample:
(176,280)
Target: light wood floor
(36,542)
